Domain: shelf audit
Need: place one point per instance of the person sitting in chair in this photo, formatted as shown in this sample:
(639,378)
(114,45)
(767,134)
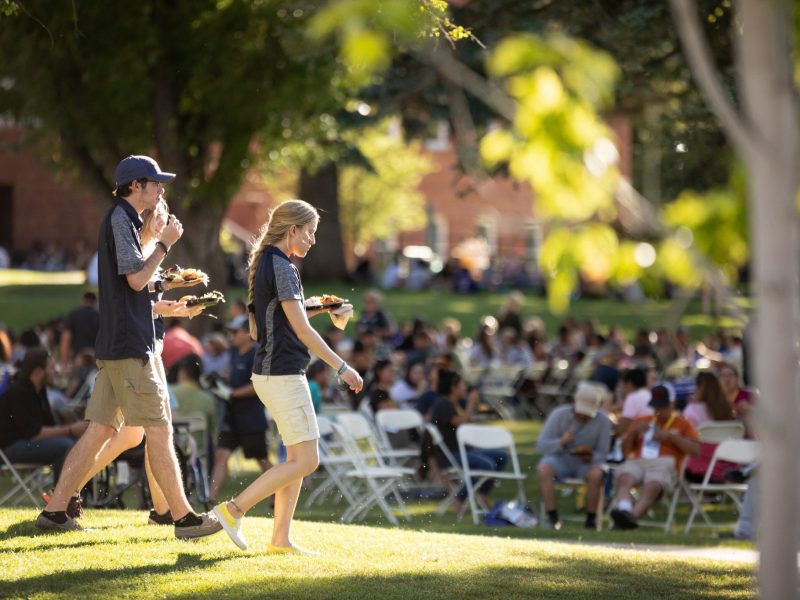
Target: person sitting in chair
(28,431)
(574,442)
(655,447)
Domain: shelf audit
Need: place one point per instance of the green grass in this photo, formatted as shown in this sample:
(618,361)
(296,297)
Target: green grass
(429,557)
(28,298)
(121,556)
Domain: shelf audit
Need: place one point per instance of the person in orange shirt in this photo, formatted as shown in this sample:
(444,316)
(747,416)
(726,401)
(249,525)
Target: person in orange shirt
(655,447)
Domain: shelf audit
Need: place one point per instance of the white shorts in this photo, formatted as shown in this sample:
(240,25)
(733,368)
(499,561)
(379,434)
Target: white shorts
(288,401)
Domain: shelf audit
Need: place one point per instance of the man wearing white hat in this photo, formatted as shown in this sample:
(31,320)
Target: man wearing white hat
(574,443)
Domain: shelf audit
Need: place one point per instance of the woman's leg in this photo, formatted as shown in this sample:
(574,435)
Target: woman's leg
(285,503)
(302,459)
(498,460)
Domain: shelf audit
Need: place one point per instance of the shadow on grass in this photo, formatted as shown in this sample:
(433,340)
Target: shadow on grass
(540,577)
(102,582)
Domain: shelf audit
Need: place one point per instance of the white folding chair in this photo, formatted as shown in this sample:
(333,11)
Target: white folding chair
(393,421)
(370,469)
(487,437)
(736,451)
(453,473)
(712,432)
(499,385)
(34,473)
(335,463)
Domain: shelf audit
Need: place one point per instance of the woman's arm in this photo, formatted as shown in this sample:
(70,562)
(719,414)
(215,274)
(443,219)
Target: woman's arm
(298,319)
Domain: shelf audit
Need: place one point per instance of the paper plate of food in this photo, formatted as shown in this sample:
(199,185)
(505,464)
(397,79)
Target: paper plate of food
(206,300)
(177,274)
(324,301)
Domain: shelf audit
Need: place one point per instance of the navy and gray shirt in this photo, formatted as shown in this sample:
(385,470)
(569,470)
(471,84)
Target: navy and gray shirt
(280,351)
(126,316)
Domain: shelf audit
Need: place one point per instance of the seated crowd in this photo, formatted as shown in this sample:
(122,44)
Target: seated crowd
(640,401)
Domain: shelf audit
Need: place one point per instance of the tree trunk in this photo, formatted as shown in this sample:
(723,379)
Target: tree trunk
(766,138)
(326,261)
(766,73)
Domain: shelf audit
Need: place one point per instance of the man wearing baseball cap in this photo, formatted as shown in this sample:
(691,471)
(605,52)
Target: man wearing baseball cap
(574,442)
(655,447)
(129,388)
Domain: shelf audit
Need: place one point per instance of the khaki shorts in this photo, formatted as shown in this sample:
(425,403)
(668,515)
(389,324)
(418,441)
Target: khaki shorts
(288,400)
(645,470)
(129,391)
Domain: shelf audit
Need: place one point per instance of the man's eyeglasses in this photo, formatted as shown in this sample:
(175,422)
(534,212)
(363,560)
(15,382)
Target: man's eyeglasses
(158,184)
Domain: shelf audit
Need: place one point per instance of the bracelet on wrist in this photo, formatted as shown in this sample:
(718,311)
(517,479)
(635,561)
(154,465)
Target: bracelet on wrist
(342,369)
(164,247)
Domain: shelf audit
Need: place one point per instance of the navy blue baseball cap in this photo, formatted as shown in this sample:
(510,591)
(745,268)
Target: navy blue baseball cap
(140,167)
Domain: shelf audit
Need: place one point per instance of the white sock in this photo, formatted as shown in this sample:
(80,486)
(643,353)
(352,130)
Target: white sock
(626,505)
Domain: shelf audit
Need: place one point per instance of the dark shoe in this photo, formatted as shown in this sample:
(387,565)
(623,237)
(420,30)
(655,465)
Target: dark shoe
(46,521)
(732,535)
(74,506)
(555,524)
(623,519)
(157,519)
(736,476)
(208,525)
(591,522)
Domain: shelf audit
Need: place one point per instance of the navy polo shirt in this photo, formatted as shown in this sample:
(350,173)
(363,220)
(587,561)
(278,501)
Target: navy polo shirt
(280,351)
(126,316)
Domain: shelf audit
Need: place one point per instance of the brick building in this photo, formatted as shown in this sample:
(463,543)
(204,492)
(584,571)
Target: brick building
(37,205)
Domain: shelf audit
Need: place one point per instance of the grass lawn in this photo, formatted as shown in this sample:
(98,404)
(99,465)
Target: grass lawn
(122,557)
(27,298)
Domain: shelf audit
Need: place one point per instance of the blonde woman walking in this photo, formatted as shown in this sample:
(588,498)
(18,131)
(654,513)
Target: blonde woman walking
(279,322)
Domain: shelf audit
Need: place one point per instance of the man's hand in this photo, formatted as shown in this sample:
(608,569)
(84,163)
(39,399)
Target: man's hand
(172,232)
(171,285)
(585,453)
(663,435)
(170,308)
(567,437)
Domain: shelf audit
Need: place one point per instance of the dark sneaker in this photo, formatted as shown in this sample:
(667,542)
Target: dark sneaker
(208,525)
(555,524)
(74,506)
(736,476)
(623,519)
(50,522)
(157,519)
(591,522)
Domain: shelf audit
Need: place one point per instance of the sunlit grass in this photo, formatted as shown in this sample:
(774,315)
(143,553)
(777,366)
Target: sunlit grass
(121,556)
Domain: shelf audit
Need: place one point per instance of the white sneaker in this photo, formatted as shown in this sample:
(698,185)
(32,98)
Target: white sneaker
(231,525)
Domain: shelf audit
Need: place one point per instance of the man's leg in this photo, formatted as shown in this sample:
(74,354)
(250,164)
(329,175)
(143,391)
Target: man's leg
(746,524)
(547,489)
(160,504)
(79,464)
(647,497)
(164,464)
(594,483)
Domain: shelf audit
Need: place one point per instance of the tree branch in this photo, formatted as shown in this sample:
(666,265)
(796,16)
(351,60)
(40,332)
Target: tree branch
(453,70)
(698,54)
